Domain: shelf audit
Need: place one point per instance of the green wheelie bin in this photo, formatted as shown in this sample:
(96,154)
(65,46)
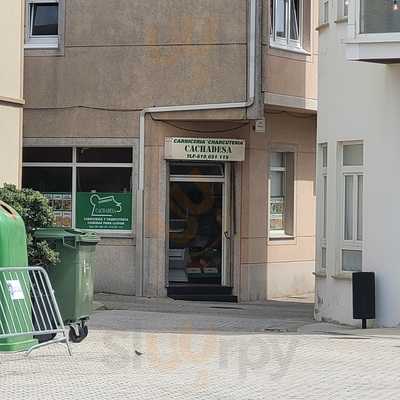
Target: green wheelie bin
(15,310)
(73,278)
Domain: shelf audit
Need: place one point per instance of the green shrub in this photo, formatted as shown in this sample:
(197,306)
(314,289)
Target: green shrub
(34,209)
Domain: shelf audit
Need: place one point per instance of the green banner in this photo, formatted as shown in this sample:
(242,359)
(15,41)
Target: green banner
(105,211)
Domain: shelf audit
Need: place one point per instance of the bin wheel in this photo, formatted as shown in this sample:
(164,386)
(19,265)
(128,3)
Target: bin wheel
(83,331)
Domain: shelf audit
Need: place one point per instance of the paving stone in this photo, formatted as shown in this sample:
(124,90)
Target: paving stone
(163,355)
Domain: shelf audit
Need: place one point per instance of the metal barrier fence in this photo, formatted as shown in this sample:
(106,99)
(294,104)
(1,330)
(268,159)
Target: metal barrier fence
(28,307)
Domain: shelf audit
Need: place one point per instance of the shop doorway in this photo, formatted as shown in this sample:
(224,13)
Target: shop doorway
(199,227)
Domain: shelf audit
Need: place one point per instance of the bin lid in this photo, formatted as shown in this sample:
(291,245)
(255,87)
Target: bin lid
(7,210)
(63,233)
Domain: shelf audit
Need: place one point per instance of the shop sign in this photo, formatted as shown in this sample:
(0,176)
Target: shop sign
(207,149)
(104,211)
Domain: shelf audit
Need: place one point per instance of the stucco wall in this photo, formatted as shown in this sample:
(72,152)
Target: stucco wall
(116,266)
(168,52)
(261,269)
(287,73)
(119,57)
(359,101)
(11,67)
(156,199)
(149,53)
(253,218)
(291,262)
(10,144)
(11,60)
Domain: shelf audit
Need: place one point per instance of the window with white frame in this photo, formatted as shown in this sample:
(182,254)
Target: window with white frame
(324,11)
(281,195)
(352,188)
(286,23)
(88,188)
(379,17)
(42,24)
(343,9)
(323,195)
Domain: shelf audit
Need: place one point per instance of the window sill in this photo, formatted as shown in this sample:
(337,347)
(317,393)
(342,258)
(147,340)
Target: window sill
(281,237)
(378,48)
(323,26)
(42,42)
(341,20)
(39,46)
(118,235)
(281,240)
(297,50)
(117,240)
(319,274)
(44,48)
(342,276)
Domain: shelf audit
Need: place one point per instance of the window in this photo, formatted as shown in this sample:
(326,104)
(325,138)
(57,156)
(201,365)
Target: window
(88,188)
(43,154)
(104,155)
(352,188)
(42,24)
(324,12)
(281,195)
(323,205)
(379,16)
(342,9)
(286,22)
(345,8)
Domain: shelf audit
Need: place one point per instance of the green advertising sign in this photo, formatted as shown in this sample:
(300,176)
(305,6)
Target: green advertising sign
(105,211)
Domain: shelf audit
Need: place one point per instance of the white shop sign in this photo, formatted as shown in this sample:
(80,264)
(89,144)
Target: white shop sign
(209,149)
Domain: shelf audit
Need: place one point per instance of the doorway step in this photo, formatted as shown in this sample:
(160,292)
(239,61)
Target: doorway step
(201,292)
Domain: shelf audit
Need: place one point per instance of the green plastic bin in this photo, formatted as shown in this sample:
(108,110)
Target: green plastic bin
(73,278)
(13,253)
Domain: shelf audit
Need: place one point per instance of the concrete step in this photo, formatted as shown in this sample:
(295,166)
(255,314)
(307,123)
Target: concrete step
(205,297)
(199,292)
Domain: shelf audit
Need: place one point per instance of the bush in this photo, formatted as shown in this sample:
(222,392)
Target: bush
(34,209)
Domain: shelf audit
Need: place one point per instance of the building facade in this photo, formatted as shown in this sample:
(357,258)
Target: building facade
(358,143)
(11,90)
(184,133)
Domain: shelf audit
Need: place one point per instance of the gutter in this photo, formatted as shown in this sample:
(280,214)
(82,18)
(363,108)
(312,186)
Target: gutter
(251,91)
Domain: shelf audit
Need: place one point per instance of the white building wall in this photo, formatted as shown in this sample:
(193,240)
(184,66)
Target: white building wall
(360,101)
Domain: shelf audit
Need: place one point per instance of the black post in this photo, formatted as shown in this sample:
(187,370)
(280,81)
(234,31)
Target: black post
(364,324)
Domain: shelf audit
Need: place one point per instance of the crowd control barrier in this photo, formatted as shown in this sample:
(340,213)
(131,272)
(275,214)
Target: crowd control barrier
(28,311)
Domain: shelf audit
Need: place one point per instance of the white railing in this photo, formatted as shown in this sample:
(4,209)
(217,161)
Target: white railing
(28,307)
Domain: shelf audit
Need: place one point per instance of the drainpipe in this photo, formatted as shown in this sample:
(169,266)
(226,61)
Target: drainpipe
(251,90)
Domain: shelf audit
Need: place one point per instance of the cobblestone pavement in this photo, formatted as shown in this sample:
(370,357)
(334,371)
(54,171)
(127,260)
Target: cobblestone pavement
(220,354)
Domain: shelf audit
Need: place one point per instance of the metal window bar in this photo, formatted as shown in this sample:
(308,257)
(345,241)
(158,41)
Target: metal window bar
(28,306)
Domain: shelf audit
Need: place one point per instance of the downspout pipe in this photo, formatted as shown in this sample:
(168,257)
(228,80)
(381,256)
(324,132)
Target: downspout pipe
(251,91)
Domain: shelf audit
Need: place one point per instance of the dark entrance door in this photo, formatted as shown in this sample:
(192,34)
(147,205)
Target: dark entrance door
(199,232)
(195,234)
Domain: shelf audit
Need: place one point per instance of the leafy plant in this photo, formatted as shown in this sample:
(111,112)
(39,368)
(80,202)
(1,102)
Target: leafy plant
(36,212)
